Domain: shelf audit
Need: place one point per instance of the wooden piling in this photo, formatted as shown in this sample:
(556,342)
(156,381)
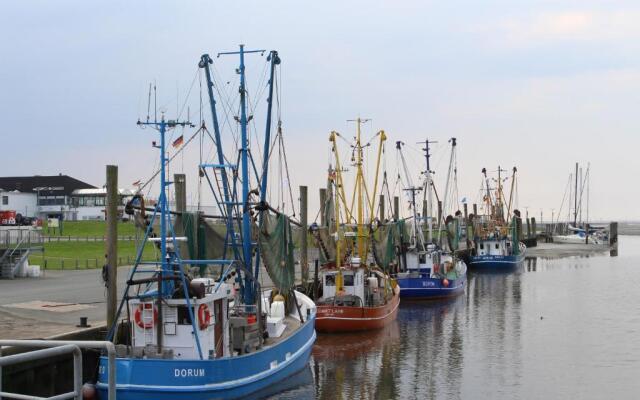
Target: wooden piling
(111,244)
(304,256)
(381,205)
(323,200)
(466,213)
(439,212)
(396,208)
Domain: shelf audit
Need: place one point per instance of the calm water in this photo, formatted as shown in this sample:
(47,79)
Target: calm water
(558,329)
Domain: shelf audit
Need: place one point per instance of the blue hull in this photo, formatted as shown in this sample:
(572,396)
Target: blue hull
(225,378)
(495,263)
(424,287)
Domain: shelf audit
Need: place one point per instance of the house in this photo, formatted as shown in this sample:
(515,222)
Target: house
(55,196)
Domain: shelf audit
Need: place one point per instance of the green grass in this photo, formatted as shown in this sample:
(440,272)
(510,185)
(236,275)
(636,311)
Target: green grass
(86,254)
(89,228)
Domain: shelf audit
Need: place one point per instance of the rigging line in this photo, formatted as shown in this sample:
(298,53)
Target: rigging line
(170,159)
(189,92)
(286,168)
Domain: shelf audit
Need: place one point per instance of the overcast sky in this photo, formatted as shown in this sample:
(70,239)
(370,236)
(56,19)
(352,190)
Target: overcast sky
(538,84)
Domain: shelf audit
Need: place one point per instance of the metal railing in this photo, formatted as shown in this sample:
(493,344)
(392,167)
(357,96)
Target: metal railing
(45,353)
(57,344)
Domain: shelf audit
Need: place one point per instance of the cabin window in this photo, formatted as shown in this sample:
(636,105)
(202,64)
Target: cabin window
(497,246)
(422,258)
(5,200)
(482,246)
(183,316)
(348,280)
(330,280)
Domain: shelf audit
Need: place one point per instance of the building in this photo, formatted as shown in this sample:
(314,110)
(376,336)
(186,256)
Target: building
(56,196)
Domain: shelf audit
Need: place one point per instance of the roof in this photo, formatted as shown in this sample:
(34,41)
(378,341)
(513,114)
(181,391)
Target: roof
(101,191)
(53,185)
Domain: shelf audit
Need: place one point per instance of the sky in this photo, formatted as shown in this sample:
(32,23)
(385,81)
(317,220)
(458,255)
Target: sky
(539,85)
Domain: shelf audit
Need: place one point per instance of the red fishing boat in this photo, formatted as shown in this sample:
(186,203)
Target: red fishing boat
(358,295)
(369,300)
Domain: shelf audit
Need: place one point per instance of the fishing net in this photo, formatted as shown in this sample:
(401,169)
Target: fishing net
(275,239)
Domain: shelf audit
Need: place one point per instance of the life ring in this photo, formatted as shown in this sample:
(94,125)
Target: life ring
(137,316)
(204,317)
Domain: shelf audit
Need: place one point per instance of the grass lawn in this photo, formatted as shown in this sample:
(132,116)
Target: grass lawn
(87,254)
(89,228)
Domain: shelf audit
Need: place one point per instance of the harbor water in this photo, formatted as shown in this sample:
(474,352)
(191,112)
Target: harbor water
(557,329)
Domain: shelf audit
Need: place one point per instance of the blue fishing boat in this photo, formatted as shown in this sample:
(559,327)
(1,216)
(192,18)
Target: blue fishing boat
(429,268)
(496,246)
(218,335)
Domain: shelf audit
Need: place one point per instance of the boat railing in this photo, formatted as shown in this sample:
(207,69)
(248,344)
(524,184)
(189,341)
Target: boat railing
(60,347)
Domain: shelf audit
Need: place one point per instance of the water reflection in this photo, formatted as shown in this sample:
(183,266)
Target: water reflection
(544,331)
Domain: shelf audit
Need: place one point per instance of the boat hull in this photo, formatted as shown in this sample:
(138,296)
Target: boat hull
(424,287)
(334,319)
(496,263)
(228,378)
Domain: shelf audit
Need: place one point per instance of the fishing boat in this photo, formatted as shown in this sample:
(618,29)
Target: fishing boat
(496,246)
(218,335)
(428,269)
(357,294)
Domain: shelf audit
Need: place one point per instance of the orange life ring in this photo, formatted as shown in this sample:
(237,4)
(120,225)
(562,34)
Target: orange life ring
(204,317)
(137,316)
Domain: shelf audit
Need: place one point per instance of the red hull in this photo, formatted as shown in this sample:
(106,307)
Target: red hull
(333,319)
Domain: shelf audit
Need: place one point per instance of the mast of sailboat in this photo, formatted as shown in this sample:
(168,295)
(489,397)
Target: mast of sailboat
(575,202)
(428,193)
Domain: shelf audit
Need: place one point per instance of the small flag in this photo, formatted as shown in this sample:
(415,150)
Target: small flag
(178,142)
(136,183)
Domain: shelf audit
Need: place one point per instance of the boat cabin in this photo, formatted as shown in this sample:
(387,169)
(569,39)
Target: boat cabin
(494,247)
(210,312)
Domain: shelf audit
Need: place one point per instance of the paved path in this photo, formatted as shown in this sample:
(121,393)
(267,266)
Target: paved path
(68,287)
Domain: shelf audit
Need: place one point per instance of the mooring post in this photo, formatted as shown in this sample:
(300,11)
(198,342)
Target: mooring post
(315,280)
(304,260)
(528,228)
(381,203)
(323,200)
(586,231)
(396,208)
(475,209)
(466,211)
(111,244)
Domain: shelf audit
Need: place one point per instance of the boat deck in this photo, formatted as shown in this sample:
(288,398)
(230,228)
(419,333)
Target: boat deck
(292,324)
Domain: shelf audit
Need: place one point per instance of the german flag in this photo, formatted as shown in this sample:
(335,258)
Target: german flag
(178,142)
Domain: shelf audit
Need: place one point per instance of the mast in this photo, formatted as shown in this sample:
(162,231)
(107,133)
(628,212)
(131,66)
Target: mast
(417,238)
(446,192)
(575,201)
(488,195)
(274,60)
(247,245)
(165,287)
(428,193)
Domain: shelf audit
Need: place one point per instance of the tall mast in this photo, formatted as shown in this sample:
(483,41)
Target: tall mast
(247,245)
(205,60)
(575,201)
(274,60)
(428,193)
(359,185)
(446,191)
(417,235)
(165,288)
